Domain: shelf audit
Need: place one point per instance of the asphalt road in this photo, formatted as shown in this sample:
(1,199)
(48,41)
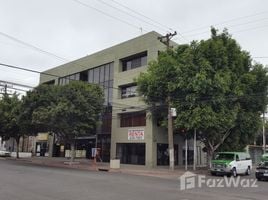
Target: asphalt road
(20,181)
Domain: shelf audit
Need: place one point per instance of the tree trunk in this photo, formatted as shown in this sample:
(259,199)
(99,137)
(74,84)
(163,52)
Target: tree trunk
(210,153)
(18,145)
(72,151)
(211,148)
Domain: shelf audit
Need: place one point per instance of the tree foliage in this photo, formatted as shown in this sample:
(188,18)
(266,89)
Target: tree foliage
(68,111)
(13,123)
(215,88)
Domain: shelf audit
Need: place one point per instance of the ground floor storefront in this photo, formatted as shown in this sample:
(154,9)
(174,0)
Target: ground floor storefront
(85,147)
(135,154)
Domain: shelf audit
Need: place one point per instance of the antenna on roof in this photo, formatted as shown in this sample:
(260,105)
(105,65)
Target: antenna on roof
(141,30)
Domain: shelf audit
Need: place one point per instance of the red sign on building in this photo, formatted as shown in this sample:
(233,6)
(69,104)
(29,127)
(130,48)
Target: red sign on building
(135,134)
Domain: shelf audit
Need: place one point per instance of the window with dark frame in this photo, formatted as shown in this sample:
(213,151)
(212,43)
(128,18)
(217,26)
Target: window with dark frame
(134,61)
(128,91)
(103,76)
(66,79)
(52,82)
(133,119)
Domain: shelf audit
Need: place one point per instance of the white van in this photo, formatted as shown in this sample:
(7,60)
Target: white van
(231,163)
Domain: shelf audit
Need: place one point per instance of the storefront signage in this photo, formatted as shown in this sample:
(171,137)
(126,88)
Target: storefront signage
(42,136)
(135,134)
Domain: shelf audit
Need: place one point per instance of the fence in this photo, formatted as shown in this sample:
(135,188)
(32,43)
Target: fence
(255,153)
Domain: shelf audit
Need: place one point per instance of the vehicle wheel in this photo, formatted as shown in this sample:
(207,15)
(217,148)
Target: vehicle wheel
(248,172)
(213,173)
(234,172)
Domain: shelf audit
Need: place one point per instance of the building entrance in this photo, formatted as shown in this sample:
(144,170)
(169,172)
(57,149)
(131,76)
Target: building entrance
(131,153)
(163,154)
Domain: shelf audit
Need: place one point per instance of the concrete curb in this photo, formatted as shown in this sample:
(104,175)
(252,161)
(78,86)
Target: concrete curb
(87,165)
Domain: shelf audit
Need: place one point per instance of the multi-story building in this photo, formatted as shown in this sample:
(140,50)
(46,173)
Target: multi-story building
(128,131)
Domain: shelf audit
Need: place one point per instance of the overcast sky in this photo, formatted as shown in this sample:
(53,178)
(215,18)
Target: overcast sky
(64,30)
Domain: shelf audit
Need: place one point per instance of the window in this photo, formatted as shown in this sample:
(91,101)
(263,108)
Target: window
(133,119)
(106,72)
(103,76)
(96,72)
(102,73)
(90,76)
(110,96)
(83,76)
(135,61)
(133,153)
(65,80)
(128,91)
(106,125)
(111,75)
(52,82)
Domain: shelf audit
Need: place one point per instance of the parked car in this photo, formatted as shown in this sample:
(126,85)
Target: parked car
(231,163)
(262,169)
(4,153)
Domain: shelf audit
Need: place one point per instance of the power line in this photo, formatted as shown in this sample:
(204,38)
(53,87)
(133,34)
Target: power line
(29,70)
(104,13)
(135,17)
(224,22)
(260,57)
(42,51)
(250,29)
(44,73)
(18,84)
(32,46)
(18,89)
(48,74)
(138,13)
(239,31)
(152,20)
(178,99)
(119,19)
(10,85)
(235,25)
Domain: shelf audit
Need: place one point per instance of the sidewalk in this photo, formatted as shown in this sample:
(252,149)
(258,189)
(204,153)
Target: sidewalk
(86,164)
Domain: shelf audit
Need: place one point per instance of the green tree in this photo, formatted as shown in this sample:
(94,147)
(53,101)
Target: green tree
(69,111)
(214,87)
(157,88)
(12,120)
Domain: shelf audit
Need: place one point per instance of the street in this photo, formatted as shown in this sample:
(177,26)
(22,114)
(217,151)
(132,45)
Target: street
(22,181)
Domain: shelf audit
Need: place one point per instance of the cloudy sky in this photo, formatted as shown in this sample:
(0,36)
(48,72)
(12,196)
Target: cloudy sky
(41,34)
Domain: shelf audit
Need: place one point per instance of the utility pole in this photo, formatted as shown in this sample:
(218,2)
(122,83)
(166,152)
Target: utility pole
(195,155)
(4,88)
(166,40)
(263,133)
(186,153)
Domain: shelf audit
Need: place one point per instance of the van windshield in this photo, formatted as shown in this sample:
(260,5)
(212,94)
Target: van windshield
(224,156)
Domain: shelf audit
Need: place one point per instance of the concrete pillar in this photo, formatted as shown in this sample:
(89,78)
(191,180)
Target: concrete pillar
(150,148)
(50,144)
